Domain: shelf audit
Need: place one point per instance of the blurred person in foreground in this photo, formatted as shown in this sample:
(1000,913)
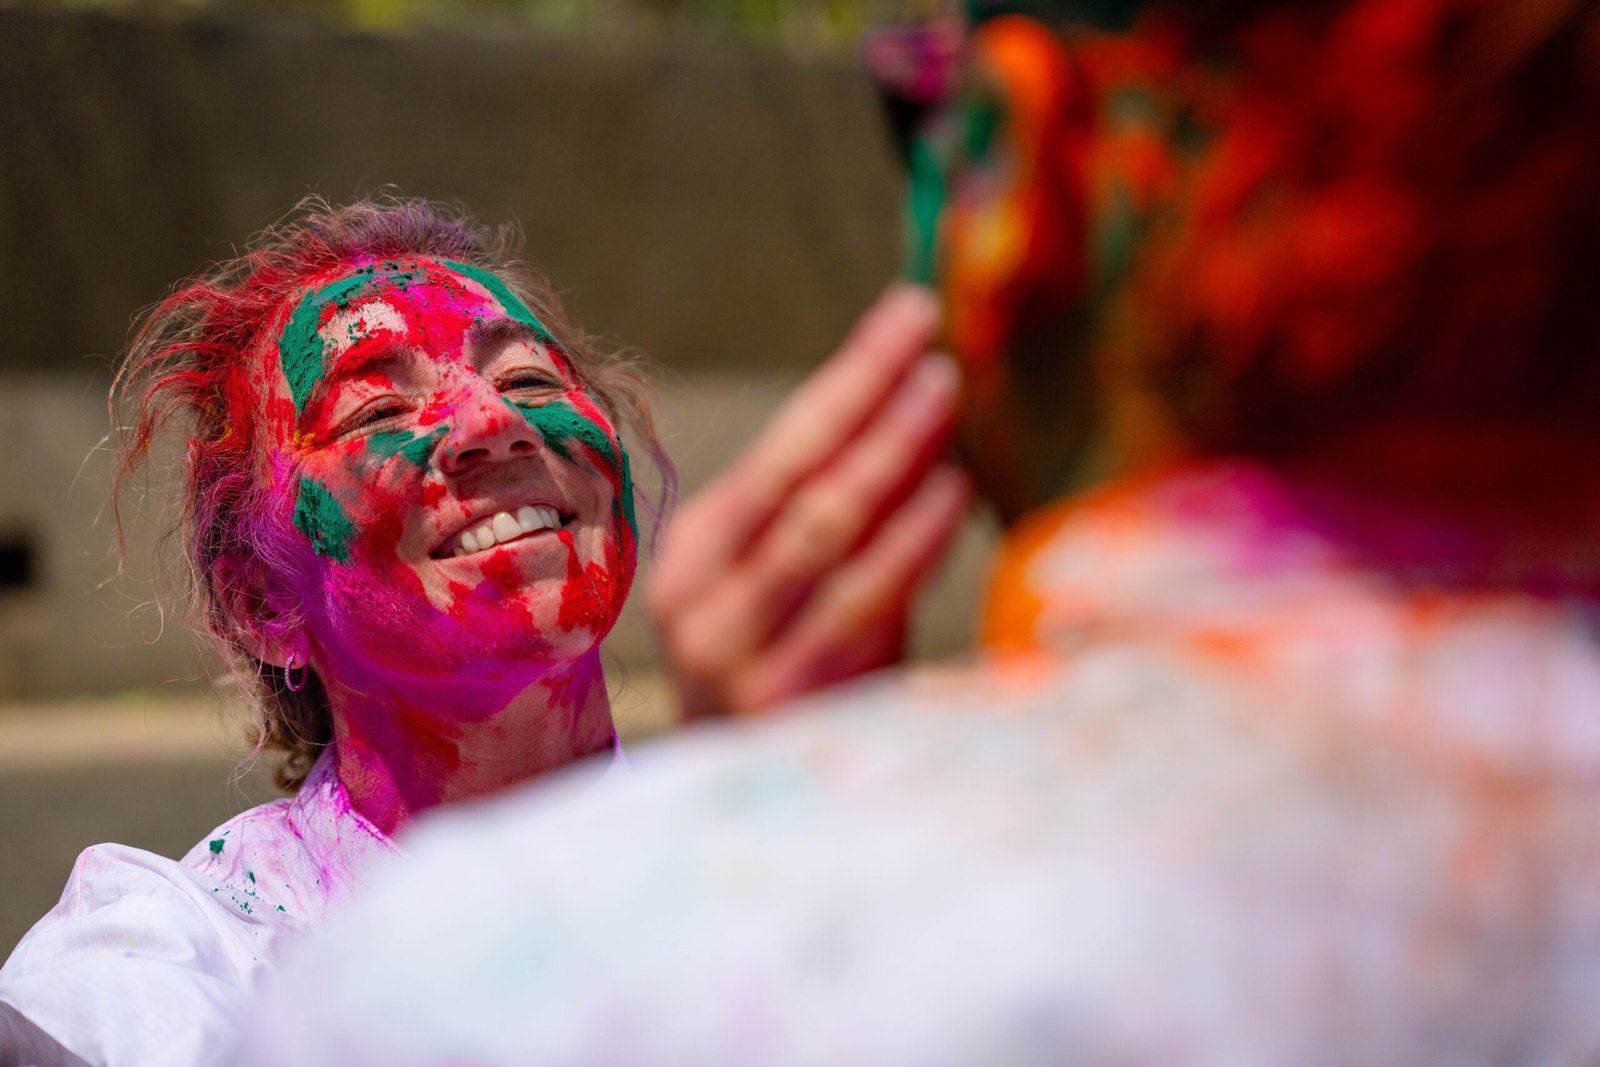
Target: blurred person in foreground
(1284,742)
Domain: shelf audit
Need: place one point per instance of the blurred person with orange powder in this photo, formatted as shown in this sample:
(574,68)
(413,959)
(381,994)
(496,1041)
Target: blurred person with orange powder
(1284,742)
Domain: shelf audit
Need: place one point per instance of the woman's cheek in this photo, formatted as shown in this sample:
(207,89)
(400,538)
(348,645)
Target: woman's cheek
(348,507)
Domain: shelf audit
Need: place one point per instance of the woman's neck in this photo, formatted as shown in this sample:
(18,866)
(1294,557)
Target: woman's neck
(398,755)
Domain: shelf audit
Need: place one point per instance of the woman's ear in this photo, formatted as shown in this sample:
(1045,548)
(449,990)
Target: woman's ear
(253,612)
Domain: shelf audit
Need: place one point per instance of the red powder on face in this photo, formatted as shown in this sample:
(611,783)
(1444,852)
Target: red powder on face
(586,596)
(500,571)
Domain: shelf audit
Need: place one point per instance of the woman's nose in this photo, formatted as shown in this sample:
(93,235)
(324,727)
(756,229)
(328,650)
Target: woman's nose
(486,429)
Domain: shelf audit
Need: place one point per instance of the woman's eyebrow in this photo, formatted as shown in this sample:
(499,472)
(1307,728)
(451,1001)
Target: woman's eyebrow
(486,335)
(366,358)
(360,359)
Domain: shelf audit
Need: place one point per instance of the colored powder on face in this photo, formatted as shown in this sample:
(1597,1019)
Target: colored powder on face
(625,496)
(300,348)
(515,308)
(416,448)
(587,596)
(558,421)
(216,844)
(320,516)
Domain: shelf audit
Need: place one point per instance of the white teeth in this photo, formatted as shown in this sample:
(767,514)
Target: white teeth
(504,526)
(531,517)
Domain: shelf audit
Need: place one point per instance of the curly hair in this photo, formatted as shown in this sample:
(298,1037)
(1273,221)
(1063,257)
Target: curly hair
(188,366)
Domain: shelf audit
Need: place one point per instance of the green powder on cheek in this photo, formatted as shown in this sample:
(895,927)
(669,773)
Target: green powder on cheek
(414,447)
(320,516)
(216,844)
(559,421)
(389,442)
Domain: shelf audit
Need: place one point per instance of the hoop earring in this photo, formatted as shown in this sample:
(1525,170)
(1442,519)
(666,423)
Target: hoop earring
(288,675)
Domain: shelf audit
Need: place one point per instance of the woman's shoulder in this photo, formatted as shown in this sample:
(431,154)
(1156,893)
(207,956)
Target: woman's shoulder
(142,955)
(129,888)
(257,865)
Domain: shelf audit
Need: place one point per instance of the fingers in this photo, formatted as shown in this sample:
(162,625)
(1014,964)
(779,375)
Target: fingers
(716,527)
(825,520)
(828,516)
(855,620)
(834,403)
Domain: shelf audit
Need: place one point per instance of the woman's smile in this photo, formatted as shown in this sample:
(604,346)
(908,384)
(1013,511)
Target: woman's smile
(501,528)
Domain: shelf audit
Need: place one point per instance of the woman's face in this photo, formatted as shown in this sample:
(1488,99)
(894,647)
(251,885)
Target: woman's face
(452,503)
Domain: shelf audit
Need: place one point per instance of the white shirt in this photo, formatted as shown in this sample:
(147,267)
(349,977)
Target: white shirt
(144,959)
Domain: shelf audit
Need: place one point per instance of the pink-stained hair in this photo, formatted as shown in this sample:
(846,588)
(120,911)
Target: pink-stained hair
(188,370)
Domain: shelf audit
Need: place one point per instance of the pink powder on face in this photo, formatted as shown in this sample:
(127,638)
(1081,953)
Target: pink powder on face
(390,613)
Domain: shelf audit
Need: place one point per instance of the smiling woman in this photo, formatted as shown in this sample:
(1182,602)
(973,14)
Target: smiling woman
(410,517)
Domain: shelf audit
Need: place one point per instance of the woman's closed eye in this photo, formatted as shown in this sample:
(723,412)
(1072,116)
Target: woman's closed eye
(530,384)
(373,413)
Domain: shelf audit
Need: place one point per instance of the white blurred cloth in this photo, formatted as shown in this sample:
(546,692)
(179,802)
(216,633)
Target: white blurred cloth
(1333,821)
(144,959)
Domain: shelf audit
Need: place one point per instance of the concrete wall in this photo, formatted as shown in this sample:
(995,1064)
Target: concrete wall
(715,208)
(727,212)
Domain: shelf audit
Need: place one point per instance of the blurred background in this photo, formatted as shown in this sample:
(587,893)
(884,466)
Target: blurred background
(708,181)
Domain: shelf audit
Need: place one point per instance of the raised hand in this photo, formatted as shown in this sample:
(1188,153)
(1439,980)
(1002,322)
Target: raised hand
(796,567)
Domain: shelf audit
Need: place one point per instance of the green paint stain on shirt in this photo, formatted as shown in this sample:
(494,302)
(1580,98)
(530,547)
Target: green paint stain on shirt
(319,515)
(513,304)
(216,844)
(559,422)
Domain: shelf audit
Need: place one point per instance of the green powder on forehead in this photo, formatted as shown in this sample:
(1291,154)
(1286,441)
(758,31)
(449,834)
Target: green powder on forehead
(300,347)
(319,515)
(301,350)
(558,422)
(513,304)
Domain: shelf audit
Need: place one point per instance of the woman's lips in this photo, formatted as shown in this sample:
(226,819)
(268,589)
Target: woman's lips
(500,528)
